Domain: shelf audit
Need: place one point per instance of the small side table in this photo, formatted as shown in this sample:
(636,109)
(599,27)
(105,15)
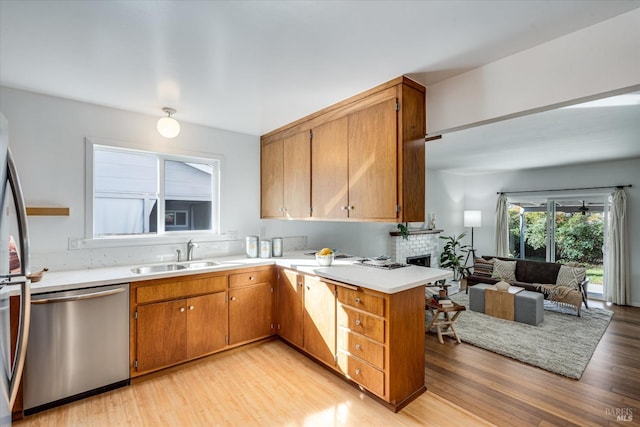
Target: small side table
(444,325)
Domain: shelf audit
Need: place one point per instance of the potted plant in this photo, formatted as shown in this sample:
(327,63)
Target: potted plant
(452,254)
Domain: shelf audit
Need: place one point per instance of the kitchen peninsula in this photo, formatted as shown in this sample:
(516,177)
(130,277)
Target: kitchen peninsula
(365,324)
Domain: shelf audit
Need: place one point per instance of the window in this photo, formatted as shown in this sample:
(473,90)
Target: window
(133,189)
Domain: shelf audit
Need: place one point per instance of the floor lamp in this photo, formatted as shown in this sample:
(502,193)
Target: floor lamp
(472,219)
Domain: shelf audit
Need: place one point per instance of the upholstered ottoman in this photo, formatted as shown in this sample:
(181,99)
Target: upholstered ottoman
(529,307)
(476,297)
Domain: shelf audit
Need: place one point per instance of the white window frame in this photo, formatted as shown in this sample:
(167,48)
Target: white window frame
(167,237)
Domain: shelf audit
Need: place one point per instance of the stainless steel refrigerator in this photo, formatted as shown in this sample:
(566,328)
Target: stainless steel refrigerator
(13,281)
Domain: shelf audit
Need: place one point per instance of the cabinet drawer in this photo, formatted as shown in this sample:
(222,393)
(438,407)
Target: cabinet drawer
(361,323)
(361,348)
(366,375)
(172,289)
(250,278)
(359,299)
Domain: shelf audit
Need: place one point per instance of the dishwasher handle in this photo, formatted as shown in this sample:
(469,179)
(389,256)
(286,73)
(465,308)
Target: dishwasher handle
(80,297)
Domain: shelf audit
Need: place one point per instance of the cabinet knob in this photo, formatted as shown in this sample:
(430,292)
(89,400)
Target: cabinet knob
(357,300)
(251,278)
(181,309)
(351,207)
(344,208)
(190,307)
(358,347)
(357,371)
(308,287)
(233,298)
(299,283)
(358,322)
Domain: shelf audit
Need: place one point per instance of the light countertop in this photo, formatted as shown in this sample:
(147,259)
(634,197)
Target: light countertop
(342,270)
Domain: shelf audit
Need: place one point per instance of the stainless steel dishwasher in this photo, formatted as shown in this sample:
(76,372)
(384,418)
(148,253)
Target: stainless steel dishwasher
(78,345)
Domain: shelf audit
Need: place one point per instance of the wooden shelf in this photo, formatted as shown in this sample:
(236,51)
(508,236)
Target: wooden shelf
(47,211)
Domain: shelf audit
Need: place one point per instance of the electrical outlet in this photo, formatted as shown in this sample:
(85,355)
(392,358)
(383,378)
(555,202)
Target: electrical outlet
(74,243)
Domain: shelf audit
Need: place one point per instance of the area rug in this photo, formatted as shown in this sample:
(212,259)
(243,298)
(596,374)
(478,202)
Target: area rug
(562,343)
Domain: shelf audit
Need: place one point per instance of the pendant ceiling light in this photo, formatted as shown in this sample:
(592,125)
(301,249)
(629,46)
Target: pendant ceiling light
(168,126)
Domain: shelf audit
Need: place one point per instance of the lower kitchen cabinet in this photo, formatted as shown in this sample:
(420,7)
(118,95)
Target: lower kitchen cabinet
(374,339)
(171,332)
(290,300)
(207,324)
(307,314)
(161,335)
(176,319)
(319,323)
(250,313)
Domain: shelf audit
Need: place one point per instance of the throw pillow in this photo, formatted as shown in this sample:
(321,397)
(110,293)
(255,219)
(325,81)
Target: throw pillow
(571,276)
(505,270)
(482,267)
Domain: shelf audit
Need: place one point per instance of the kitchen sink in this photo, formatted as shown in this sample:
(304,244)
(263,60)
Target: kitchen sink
(174,266)
(158,268)
(200,264)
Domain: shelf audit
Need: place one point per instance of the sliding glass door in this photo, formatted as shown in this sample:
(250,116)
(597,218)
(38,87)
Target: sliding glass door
(569,230)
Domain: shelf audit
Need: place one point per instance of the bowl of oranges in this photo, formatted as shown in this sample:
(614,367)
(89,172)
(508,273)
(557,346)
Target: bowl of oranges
(324,257)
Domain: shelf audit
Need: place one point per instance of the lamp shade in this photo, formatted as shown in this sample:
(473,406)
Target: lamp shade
(168,126)
(472,218)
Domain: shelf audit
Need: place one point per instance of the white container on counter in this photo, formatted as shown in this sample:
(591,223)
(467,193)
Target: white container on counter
(252,246)
(265,248)
(276,246)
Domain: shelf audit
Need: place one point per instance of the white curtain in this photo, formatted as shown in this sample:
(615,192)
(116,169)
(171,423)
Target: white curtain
(617,283)
(502,227)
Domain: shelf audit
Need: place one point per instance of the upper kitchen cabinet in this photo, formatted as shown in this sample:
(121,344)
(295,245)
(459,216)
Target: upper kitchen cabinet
(367,157)
(285,169)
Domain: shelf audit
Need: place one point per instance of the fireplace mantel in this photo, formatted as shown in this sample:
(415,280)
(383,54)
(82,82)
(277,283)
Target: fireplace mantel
(411,232)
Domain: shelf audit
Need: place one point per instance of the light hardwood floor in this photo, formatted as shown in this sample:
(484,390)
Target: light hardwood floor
(270,384)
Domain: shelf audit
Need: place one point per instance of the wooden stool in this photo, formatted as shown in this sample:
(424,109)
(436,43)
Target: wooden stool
(446,324)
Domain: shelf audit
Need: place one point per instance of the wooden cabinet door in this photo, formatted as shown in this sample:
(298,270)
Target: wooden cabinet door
(161,334)
(329,170)
(290,293)
(272,179)
(297,175)
(207,324)
(250,313)
(373,158)
(320,319)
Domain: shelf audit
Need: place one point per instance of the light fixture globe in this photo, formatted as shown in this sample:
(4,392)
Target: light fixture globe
(168,126)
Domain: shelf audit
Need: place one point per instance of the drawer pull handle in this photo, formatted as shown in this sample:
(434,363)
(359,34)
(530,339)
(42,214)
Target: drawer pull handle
(190,307)
(181,309)
(358,301)
(358,347)
(357,371)
(358,322)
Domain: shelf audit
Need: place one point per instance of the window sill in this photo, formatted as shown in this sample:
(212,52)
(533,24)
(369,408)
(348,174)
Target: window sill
(166,239)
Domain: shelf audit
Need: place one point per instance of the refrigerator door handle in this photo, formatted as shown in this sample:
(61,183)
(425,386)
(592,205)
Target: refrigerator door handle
(21,211)
(25,287)
(21,342)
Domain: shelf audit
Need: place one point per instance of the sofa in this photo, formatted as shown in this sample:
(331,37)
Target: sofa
(531,275)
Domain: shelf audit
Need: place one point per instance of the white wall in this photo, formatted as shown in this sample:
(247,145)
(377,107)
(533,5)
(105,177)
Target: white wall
(480,194)
(601,59)
(47,137)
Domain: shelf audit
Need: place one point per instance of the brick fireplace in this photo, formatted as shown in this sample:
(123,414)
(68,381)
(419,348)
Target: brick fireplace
(419,243)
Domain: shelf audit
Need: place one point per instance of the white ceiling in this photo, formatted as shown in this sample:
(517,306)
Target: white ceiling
(253,66)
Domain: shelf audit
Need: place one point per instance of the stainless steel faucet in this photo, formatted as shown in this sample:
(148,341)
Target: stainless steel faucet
(190,245)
